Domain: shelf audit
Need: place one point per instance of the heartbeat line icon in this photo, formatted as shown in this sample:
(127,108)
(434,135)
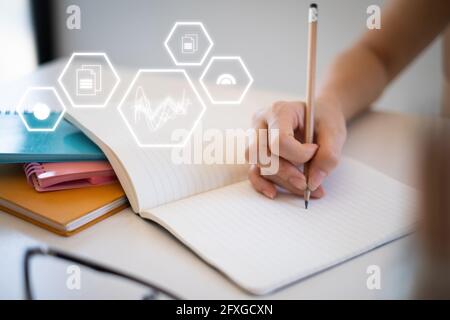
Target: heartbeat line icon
(156,117)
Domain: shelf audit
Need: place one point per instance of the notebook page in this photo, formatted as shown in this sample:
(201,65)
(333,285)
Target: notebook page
(148,175)
(264,244)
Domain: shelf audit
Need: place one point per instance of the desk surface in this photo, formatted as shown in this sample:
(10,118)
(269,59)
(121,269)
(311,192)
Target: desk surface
(146,250)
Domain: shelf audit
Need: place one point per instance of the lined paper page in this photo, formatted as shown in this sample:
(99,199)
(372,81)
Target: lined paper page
(264,244)
(148,175)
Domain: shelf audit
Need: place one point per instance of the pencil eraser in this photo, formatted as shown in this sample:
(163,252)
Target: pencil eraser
(313,13)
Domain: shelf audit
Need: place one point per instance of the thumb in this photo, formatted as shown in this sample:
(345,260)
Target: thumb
(327,156)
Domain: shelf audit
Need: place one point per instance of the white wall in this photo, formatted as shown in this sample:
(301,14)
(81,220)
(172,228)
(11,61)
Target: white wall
(270,35)
(17,53)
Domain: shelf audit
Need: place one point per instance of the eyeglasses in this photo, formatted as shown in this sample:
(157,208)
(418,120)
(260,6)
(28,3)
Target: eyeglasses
(76,278)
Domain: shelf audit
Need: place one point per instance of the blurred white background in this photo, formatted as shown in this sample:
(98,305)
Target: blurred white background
(17,51)
(270,36)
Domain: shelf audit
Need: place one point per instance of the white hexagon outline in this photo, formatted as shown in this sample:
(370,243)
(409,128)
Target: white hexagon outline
(211,44)
(22,100)
(188,136)
(69,97)
(213,101)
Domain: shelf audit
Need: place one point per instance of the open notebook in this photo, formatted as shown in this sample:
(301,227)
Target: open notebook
(260,244)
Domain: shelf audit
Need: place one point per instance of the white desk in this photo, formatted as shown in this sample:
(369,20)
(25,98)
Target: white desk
(127,242)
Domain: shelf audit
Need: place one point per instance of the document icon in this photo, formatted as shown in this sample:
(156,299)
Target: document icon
(189,43)
(89,80)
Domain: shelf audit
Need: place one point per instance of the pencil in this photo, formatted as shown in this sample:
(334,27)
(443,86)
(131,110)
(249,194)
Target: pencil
(310,83)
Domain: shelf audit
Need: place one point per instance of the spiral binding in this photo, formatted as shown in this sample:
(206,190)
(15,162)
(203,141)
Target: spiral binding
(33,169)
(8,111)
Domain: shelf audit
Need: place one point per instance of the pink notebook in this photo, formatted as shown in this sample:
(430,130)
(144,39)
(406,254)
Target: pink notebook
(68,175)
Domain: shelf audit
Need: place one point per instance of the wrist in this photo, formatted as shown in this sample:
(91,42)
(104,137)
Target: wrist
(330,106)
(331,100)
(329,114)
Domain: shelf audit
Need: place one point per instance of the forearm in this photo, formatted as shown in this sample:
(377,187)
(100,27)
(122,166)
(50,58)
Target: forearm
(359,75)
(354,81)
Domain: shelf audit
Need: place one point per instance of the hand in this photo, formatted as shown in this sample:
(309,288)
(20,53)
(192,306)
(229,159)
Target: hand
(288,118)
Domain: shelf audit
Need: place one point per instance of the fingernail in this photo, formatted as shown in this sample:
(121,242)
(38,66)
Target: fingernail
(269,194)
(298,183)
(311,146)
(316,179)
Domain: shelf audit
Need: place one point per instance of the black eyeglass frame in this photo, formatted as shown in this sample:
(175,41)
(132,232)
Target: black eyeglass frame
(36,251)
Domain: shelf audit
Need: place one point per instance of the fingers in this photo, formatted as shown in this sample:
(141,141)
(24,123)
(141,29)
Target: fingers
(284,125)
(293,180)
(260,184)
(283,120)
(330,140)
(289,178)
(318,193)
(290,148)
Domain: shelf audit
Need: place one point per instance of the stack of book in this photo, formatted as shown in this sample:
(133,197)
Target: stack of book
(57,180)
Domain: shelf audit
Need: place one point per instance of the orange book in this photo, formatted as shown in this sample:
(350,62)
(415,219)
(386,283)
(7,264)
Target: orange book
(64,212)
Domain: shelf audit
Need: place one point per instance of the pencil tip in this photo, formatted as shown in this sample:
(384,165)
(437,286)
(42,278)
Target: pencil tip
(306,204)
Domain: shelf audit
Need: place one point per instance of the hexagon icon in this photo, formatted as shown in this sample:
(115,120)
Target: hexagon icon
(89,80)
(161,108)
(226,80)
(41,109)
(188,43)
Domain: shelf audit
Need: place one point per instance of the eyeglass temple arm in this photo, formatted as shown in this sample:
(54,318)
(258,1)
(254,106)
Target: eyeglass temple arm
(90,264)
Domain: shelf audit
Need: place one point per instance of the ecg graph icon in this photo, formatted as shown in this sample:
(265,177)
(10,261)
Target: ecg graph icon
(161,108)
(160,113)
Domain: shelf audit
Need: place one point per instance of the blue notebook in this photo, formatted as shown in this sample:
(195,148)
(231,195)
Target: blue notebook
(66,143)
